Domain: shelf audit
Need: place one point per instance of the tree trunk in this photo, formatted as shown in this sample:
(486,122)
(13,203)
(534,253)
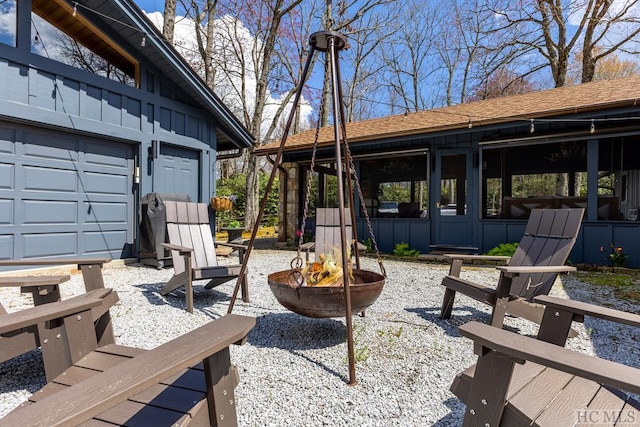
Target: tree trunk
(169,20)
(252,204)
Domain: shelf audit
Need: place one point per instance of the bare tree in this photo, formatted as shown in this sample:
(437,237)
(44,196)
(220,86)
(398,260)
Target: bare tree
(406,56)
(611,67)
(556,29)
(251,64)
(363,68)
(502,82)
(467,52)
(342,16)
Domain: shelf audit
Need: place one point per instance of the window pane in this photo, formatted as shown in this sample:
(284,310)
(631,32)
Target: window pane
(619,178)
(8,22)
(50,42)
(395,187)
(518,179)
(453,185)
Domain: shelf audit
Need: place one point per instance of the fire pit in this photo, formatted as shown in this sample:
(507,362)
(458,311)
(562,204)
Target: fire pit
(326,301)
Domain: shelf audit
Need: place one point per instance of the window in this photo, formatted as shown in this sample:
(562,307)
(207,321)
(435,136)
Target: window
(60,31)
(391,187)
(395,187)
(619,178)
(518,179)
(8,22)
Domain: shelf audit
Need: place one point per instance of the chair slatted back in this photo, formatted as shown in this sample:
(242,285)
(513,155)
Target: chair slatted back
(188,226)
(549,236)
(328,230)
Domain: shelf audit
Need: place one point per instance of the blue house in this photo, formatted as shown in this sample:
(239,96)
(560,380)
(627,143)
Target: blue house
(468,175)
(80,148)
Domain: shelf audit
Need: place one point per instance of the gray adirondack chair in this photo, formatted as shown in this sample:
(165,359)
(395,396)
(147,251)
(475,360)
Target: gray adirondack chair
(521,381)
(327,234)
(193,251)
(549,236)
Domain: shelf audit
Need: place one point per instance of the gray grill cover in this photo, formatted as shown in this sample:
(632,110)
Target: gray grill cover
(153,227)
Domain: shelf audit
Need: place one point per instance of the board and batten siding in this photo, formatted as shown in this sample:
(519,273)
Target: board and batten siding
(68,147)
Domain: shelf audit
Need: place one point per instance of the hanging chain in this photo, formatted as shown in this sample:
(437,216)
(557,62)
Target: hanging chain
(352,168)
(296,263)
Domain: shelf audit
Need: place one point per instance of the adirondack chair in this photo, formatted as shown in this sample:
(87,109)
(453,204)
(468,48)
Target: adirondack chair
(189,380)
(193,251)
(49,328)
(549,237)
(55,328)
(520,381)
(327,236)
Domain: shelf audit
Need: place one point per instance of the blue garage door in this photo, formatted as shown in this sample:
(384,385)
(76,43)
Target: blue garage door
(178,171)
(64,195)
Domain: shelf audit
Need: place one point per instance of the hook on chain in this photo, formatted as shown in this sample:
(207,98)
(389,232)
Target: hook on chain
(296,278)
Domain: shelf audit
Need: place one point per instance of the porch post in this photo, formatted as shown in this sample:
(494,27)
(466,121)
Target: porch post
(592,180)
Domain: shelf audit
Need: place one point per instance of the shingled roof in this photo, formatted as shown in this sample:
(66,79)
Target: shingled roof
(583,98)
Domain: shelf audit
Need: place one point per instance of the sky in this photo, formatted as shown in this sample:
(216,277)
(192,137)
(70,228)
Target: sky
(150,5)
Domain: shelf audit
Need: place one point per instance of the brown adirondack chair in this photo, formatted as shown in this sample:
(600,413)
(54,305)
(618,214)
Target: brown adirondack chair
(189,380)
(54,327)
(193,251)
(50,327)
(327,235)
(549,237)
(521,381)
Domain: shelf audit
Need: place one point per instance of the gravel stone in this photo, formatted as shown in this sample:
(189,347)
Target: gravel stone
(294,370)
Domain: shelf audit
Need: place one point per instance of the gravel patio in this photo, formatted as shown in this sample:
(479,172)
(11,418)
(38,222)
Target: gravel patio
(294,370)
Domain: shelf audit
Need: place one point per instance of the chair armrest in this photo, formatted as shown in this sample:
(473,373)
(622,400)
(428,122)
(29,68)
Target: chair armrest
(79,403)
(584,309)
(478,257)
(308,246)
(54,261)
(520,348)
(181,249)
(237,246)
(55,310)
(516,270)
(29,281)
(457,260)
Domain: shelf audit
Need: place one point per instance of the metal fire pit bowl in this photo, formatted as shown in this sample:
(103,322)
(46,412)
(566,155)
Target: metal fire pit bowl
(326,301)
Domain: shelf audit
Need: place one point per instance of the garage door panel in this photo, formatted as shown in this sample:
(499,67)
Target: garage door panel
(95,242)
(101,213)
(6,212)
(6,246)
(64,194)
(7,136)
(54,180)
(106,155)
(49,244)
(7,181)
(98,183)
(57,147)
(48,213)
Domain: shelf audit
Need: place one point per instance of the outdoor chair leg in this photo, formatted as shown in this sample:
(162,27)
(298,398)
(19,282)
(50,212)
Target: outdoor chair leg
(499,311)
(447,303)
(245,289)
